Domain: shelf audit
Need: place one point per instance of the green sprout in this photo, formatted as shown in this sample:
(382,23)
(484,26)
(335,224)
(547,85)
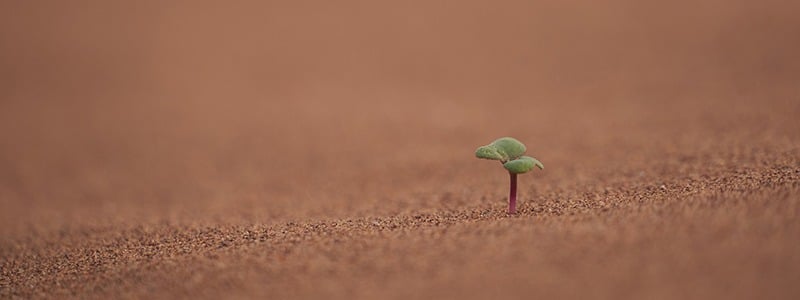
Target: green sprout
(510,152)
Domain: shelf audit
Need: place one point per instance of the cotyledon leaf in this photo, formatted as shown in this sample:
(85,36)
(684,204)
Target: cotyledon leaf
(502,149)
(522,165)
(488,152)
(512,148)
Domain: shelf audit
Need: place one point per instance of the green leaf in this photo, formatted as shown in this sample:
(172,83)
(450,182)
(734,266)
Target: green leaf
(488,152)
(510,147)
(522,165)
(502,149)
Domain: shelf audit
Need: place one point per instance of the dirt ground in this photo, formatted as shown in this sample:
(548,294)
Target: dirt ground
(325,149)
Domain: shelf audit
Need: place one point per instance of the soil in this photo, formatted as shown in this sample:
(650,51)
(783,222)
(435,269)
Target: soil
(321,150)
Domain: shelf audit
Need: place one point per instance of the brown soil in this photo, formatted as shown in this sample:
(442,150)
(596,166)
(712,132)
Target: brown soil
(321,150)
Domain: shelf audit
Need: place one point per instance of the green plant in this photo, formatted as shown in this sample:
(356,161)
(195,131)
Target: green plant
(510,152)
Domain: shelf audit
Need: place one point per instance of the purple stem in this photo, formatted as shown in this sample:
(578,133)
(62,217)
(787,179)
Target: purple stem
(512,195)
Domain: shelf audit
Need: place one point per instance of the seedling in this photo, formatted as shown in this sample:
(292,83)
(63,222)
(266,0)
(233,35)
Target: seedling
(509,151)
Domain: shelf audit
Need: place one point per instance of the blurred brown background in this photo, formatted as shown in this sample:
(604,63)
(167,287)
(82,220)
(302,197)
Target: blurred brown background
(115,114)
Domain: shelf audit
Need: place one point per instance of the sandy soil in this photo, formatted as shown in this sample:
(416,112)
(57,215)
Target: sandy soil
(320,150)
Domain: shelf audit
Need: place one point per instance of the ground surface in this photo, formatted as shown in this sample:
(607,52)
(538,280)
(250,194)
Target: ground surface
(321,151)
